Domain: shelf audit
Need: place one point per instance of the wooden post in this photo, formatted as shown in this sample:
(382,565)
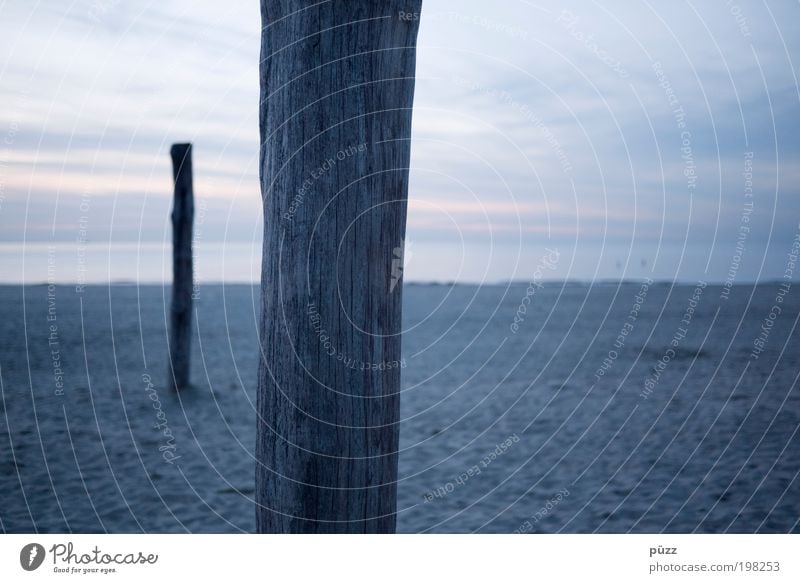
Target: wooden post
(180,331)
(337,86)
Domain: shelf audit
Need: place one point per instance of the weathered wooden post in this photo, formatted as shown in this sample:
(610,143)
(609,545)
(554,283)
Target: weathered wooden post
(180,330)
(337,86)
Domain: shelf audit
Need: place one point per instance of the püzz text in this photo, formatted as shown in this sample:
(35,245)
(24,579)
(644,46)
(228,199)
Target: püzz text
(659,550)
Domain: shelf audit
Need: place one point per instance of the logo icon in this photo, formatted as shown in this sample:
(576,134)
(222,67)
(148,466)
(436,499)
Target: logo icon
(31,556)
(401,256)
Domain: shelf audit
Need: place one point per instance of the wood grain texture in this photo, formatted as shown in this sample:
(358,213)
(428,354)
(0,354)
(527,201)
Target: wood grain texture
(337,86)
(180,330)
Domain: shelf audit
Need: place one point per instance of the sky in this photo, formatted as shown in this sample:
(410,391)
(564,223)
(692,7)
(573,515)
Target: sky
(632,139)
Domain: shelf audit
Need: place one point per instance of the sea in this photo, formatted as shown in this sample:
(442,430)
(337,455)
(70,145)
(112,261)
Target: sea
(635,406)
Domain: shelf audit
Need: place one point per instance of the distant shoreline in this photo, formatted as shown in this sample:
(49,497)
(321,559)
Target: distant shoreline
(519,282)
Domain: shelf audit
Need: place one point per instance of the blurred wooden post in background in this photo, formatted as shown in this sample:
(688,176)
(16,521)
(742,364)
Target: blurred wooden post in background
(180,331)
(337,87)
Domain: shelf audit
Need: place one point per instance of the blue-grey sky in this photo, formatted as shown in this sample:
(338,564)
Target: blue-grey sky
(636,139)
